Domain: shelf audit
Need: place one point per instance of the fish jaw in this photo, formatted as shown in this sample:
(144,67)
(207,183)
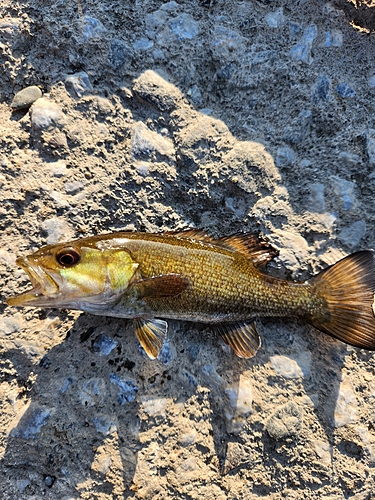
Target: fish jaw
(45,288)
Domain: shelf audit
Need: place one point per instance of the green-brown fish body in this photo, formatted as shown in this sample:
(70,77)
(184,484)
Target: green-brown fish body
(189,275)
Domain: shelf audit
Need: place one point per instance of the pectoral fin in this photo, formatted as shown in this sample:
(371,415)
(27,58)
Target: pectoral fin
(165,285)
(243,338)
(151,334)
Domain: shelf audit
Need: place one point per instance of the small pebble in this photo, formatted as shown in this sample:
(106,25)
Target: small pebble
(30,425)
(22,484)
(226,43)
(371,81)
(78,84)
(334,38)
(143,44)
(299,129)
(345,190)
(153,89)
(46,115)
(92,28)
(346,404)
(57,229)
(26,97)
(352,235)
(182,27)
(58,168)
(275,19)
(92,392)
(320,91)
(344,90)
(119,53)
(74,187)
(349,159)
(11,324)
(103,345)
(370,147)
(285,422)
(49,480)
(167,353)
(155,406)
(240,395)
(104,425)
(302,50)
(284,156)
(292,367)
(146,142)
(316,198)
(128,389)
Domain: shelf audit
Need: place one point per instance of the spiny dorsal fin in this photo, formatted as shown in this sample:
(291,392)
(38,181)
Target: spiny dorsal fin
(151,334)
(242,337)
(249,244)
(165,285)
(252,245)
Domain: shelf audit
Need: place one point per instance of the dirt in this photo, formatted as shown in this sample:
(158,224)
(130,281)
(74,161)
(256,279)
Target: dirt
(226,116)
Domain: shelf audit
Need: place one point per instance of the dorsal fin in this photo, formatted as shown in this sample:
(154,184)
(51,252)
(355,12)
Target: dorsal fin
(249,244)
(252,245)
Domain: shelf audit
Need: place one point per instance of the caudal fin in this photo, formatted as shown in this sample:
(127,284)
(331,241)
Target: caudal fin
(348,289)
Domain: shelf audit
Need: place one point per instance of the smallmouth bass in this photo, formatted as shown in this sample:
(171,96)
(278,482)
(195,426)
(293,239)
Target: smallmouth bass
(191,276)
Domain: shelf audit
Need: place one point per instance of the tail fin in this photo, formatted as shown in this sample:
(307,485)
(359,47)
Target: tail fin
(348,289)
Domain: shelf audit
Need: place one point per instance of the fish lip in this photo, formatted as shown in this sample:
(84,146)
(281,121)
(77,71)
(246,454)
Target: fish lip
(44,287)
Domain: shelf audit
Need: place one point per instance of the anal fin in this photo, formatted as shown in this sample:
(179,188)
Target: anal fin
(242,337)
(151,334)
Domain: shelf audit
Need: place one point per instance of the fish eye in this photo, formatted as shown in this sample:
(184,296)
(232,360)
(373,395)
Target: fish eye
(68,256)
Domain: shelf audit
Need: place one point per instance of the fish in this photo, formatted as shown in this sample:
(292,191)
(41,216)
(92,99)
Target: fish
(190,275)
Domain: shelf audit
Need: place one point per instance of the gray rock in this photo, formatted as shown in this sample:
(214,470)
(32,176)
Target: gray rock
(320,91)
(227,44)
(284,156)
(302,50)
(103,345)
(300,128)
(105,425)
(92,28)
(296,366)
(345,190)
(26,97)
(73,187)
(166,354)
(155,21)
(78,84)
(352,235)
(128,389)
(344,90)
(119,53)
(182,27)
(285,422)
(9,28)
(316,198)
(46,115)
(370,146)
(30,427)
(334,38)
(371,81)
(275,19)
(146,143)
(348,159)
(154,90)
(143,44)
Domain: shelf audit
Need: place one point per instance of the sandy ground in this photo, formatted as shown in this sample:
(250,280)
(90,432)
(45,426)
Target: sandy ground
(227,116)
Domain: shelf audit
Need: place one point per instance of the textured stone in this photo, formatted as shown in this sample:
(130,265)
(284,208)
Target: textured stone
(26,97)
(286,422)
(46,115)
(154,90)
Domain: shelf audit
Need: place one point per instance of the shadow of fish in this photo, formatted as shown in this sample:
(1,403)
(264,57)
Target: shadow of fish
(191,276)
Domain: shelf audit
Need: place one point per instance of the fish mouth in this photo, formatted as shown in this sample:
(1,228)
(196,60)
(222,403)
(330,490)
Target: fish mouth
(44,287)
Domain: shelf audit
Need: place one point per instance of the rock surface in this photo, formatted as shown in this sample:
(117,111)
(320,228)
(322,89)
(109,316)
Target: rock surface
(228,116)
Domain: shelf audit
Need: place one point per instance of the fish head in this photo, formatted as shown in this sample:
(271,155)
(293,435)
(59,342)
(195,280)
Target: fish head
(76,274)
